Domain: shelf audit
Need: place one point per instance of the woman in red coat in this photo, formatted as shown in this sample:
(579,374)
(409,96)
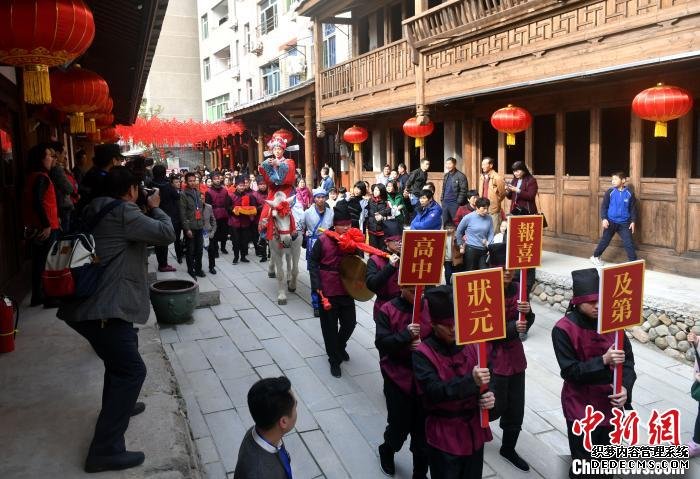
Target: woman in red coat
(279,173)
(522,191)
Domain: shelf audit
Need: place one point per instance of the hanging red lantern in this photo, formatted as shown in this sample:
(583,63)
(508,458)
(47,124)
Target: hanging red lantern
(100,118)
(511,120)
(412,128)
(108,135)
(38,34)
(78,91)
(662,104)
(286,134)
(355,135)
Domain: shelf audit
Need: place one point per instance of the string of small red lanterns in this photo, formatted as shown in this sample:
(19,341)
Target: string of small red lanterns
(173,132)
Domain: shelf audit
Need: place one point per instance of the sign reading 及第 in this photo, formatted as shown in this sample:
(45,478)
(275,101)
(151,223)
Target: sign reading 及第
(479,305)
(524,245)
(422,257)
(621,296)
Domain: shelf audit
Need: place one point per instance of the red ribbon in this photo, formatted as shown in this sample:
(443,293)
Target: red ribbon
(354,240)
(283,209)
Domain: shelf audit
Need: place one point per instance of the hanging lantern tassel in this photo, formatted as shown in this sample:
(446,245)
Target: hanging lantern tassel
(355,147)
(510,139)
(37,87)
(77,123)
(419,142)
(660,129)
(90,126)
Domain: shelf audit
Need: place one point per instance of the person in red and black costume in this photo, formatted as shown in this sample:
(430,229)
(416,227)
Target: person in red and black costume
(586,359)
(396,338)
(323,263)
(40,214)
(382,275)
(260,242)
(448,380)
(217,196)
(507,362)
(241,221)
(279,173)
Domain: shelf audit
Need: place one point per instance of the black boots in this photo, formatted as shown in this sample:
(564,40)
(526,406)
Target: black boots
(386,459)
(116,462)
(510,437)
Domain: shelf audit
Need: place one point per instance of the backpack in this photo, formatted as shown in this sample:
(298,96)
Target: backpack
(72,268)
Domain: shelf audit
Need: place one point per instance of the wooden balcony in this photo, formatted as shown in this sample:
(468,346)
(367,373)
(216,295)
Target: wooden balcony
(385,69)
(454,18)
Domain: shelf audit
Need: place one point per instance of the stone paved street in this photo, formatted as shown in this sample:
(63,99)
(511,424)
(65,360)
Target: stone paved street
(341,421)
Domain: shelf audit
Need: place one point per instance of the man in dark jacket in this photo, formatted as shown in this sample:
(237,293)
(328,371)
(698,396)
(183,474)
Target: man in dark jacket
(220,201)
(106,318)
(454,191)
(93,184)
(417,180)
(191,212)
(170,203)
(262,454)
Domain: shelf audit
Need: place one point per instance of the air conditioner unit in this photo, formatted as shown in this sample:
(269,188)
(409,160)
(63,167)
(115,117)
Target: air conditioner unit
(296,65)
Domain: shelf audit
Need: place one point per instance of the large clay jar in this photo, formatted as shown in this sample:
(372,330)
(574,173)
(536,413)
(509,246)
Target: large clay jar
(174,300)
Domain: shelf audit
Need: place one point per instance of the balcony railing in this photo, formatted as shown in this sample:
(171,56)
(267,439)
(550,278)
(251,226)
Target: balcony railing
(448,18)
(383,67)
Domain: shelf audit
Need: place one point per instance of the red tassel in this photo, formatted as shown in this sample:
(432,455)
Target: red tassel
(325,302)
(245,201)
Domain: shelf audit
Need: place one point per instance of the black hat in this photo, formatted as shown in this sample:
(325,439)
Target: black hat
(240,179)
(440,305)
(497,254)
(105,153)
(341,213)
(392,230)
(586,283)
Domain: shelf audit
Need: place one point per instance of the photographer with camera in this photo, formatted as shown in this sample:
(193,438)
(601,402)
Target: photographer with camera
(121,298)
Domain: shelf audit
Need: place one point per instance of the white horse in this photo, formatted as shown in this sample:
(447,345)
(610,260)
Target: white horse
(285,241)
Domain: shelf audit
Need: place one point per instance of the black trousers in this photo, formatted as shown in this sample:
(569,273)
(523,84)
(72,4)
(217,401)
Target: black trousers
(405,416)
(696,432)
(179,246)
(474,258)
(447,466)
(240,238)
(336,339)
(194,247)
(449,211)
(161,255)
(212,252)
(39,251)
(117,345)
(599,436)
(510,406)
(450,269)
(221,235)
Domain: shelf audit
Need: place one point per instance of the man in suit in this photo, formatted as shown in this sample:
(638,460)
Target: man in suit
(262,454)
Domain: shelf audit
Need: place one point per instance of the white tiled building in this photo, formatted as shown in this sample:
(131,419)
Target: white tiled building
(252,50)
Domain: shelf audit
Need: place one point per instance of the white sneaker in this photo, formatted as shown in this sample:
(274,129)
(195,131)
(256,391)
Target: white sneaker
(597,262)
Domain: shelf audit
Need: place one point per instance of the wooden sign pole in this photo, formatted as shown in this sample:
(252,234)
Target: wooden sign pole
(483,363)
(417,303)
(523,291)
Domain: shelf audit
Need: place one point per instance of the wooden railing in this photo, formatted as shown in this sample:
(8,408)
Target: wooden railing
(379,68)
(454,15)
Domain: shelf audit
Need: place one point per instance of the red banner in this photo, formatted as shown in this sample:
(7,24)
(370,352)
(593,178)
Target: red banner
(480,313)
(524,245)
(422,257)
(621,296)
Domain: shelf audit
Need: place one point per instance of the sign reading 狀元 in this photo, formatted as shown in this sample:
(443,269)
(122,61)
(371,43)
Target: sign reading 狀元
(479,306)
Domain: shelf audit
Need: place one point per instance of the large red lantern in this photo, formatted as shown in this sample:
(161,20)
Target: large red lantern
(78,91)
(108,135)
(511,120)
(286,134)
(412,128)
(355,135)
(38,34)
(661,104)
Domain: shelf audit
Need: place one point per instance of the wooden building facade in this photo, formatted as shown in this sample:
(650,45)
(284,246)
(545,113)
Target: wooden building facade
(575,65)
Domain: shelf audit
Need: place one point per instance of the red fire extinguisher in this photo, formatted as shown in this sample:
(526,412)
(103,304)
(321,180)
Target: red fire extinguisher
(9,317)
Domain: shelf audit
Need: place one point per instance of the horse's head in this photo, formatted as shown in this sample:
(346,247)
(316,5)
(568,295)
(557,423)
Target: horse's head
(281,212)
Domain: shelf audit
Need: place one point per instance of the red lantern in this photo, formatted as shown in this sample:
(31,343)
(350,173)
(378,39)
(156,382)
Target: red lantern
(286,134)
(38,34)
(511,120)
(355,135)
(108,135)
(412,128)
(661,104)
(78,91)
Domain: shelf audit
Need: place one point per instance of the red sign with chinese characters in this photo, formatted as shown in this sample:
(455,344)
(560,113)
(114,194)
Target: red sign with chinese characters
(422,257)
(524,245)
(621,296)
(479,306)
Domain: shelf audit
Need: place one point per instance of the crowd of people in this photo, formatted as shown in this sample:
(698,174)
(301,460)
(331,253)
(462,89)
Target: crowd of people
(432,386)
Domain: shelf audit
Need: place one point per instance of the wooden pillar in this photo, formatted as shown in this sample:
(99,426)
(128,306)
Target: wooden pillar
(683,172)
(261,145)
(559,158)
(390,153)
(529,140)
(407,145)
(468,157)
(357,156)
(308,143)
(421,6)
(318,66)
(501,154)
(594,175)
(635,171)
